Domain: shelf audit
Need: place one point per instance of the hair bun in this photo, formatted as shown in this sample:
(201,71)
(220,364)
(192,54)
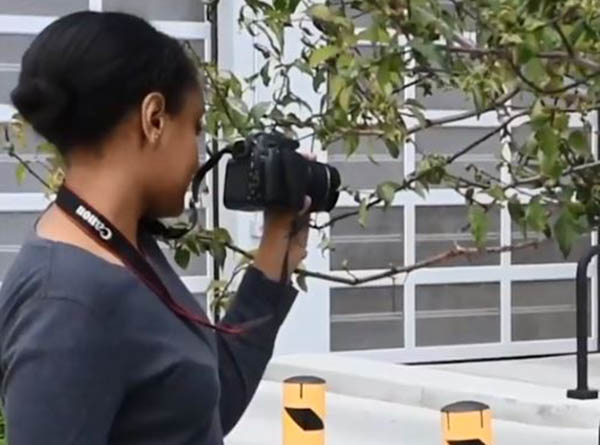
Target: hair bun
(42,103)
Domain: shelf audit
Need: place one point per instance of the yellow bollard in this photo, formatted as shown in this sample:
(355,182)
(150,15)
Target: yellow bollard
(467,423)
(303,411)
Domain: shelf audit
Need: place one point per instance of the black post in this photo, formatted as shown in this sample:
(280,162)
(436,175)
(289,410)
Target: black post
(583,392)
(598,287)
(213,17)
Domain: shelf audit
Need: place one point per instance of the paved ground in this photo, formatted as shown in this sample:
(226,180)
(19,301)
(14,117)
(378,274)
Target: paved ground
(380,403)
(532,393)
(360,421)
(556,372)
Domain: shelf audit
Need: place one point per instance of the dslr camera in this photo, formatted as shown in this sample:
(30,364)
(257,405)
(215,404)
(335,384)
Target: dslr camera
(266,171)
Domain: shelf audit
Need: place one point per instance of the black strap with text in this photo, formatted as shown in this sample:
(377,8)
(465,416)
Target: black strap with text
(105,233)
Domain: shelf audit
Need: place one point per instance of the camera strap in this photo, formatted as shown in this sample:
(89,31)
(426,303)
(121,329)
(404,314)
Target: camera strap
(106,234)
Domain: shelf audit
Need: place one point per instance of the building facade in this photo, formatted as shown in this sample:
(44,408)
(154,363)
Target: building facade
(510,304)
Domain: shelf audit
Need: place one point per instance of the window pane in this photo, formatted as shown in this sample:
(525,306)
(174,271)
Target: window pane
(547,251)
(199,47)
(361,18)
(450,314)
(201,299)
(376,246)
(45,7)
(366,318)
(359,172)
(444,99)
(12,47)
(8,81)
(448,141)
(8,177)
(15,229)
(544,310)
(183,10)
(440,228)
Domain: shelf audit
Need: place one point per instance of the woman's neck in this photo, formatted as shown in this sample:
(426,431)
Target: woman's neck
(112,194)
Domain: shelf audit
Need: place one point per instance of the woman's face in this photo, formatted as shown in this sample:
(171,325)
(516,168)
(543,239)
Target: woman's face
(173,157)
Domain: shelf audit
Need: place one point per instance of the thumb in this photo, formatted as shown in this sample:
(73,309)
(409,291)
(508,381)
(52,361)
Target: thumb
(307,204)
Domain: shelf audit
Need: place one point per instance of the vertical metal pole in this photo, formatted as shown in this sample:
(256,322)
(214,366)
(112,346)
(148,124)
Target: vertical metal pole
(597,155)
(582,391)
(598,295)
(212,16)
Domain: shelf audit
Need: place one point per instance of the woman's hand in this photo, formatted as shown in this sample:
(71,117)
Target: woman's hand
(278,239)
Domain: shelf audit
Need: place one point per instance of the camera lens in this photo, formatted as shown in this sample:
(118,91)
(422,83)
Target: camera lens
(323,184)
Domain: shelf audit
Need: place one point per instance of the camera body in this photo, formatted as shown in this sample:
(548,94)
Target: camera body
(266,171)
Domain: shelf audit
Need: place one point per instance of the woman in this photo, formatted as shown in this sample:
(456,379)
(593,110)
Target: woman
(90,354)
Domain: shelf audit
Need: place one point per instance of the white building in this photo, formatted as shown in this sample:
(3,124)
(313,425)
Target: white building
(503,305)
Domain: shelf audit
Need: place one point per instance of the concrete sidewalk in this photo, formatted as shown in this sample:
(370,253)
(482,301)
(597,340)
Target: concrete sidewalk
(556,372)
(531,393)
(360,421)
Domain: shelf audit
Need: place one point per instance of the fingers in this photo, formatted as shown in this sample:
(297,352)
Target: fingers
(309,156)
(306,207)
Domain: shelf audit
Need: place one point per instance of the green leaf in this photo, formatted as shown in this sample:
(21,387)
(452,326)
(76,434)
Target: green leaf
(420,189)
(429,51)
(318,79)
(345,96)
(565,232)
(216,285)
(535,71)
(549,153)
(218,251)
(561,122)
(182,257)
(375,33)
(47,148)
(579,142)
(497,193)
(393,148)
(222,235)
(336,85)
(21,173)
(322,54)
(265,75)
(351,143)
(478,220)
(259,110)
(363,213)
(515,208)
(536,216)
(525,53)
(387,191)
(191,244)
(539,115)
(321,12)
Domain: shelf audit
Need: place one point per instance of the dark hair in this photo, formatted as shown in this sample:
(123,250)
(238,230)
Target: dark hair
(87,70)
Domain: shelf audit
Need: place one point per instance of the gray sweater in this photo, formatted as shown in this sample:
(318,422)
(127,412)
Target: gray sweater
(90,356)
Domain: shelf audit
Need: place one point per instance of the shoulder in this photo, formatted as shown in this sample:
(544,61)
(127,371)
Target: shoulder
(46,269)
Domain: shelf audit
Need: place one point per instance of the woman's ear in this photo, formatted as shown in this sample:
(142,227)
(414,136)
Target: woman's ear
(153,113)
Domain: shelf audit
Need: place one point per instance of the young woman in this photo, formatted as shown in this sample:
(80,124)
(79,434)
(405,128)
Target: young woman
(91,353)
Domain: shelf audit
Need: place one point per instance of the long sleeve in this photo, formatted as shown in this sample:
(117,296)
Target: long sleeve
(243,358)
(61,382)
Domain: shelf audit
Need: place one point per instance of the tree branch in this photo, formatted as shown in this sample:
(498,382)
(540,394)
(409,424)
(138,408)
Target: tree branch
(456,252)
(12,153)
